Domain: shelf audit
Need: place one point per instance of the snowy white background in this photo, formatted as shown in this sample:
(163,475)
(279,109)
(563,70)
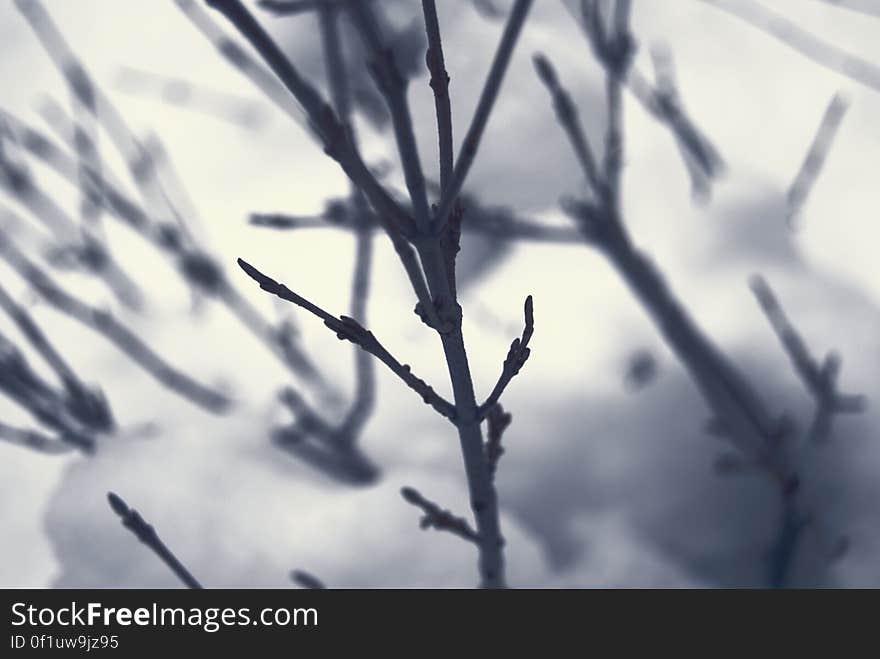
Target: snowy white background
(599,486)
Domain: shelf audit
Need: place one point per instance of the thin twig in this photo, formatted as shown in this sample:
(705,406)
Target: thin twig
(259,75)
(392,85)
(26,387)
(33,440)
(305,580)
(199,270)
(794,36)
(349,329)
(569,118)
(105,324)
(237,110)
(337,141)
(364,400)
(516,357)
(662,101)
(819,379)
(497,222)
(132,520)
(139,162)
(293,7)
(436,517)
(472,138)
(803,183)
(88,404)
(440,85)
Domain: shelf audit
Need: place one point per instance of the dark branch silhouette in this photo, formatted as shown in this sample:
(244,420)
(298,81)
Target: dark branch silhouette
(121,336)
(132,520)
(516,357)
(436,517)
(471,143)
(350,330)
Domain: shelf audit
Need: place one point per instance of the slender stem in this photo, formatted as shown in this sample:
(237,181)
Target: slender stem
(38,339)
(260,76)
(484,108)
(794,36)
(569,119)
(350,330)
(440,85)
(393,86)
(144,532)
(365,374)
(336,139)
(613,160)
(516,357)
(105,324)
(33,440)
(481,488)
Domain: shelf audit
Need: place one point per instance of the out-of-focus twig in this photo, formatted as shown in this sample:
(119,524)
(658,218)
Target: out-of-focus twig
(489,94)
(22,384)
(305,580)
(803,183)
(33,440)
(188,95)
(794,36)
(819,379)
(199,269)
(87,404)
(132,520)
(113,330)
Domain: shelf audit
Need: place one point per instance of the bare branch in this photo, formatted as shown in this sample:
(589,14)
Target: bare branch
(471,143)
(392,86)
(20,383)
(819,380)
(516,357)
(440,85)
(791,34)
(663,102)
(33,440)
(294,7)
(199,269)
(499,222)
(81,246)
(258,74)
(867,7)
(240,111)
(349,329)
(365,376)
(436,517)
(306,580)
(88,404)
(569,118)
(132,520)
(105,324)
(816,156)
(138,160)
(337,142)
